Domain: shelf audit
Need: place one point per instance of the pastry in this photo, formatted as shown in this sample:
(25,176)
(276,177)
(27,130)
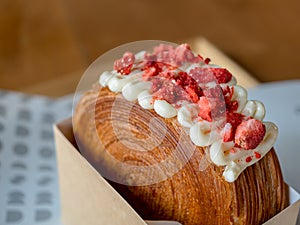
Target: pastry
(178,138)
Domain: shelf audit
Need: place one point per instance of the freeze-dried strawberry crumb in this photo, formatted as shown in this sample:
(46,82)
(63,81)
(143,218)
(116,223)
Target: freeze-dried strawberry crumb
(249,134)
(228,133)
(153,68)
(175,55)
(222,75)
(183,53)
(209,74)
(124,64)
(202,75)
(164,53)
(204,109)
(189,85)
(214,106)
(207,60)
(248,159)
(233,119)
(257,155)
(174,87)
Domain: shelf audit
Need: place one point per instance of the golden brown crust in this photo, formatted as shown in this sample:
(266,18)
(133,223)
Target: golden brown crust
(190,196)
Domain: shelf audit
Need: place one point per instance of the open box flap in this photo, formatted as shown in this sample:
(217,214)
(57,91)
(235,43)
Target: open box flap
(86,198)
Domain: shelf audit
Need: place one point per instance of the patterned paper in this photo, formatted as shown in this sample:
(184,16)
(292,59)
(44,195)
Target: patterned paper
(28,169)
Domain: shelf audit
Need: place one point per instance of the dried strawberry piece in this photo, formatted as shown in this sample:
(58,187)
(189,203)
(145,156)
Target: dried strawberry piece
(124,64)
(157,83)
(257,155)
(222,75)
(149,72)
(183,53)
(214,92)
(217,101)
(234,119)
(232,106)
(202,75)
(228,132)
(207,61)
(189,85)
(152,69)
(192,93)
(208,74)
(164,53)
(169,74)
(228,92)
(248,159)
(200,57)
(204,109)
(249,134)
(170,91)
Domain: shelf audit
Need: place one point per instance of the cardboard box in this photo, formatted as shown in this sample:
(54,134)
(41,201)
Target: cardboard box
(87,198)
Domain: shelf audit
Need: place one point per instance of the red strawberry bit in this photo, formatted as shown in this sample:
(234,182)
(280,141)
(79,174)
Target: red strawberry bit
(124,64)
(189,85)
(192,92)
(228,132)
(207,60)
(215,92)
(248,159)
(231,106)
(149,72)
(202,75)
(164,53)
(208,74)
(156,84)
(183,53)
(179,85)
(217,101)
(222,75)
(257,155)
(175,55)
(167,89)
(234,119)
(204,109)
(200,57)
(249,134)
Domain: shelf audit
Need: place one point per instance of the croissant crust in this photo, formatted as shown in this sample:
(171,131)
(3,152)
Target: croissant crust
(196,193)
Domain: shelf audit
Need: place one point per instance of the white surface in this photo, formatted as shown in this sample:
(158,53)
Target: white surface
(282,102)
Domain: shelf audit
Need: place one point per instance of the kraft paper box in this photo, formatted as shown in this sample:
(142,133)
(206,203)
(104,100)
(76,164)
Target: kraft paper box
(87,198)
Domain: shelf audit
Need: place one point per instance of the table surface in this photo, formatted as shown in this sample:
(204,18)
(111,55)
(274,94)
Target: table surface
(45,46)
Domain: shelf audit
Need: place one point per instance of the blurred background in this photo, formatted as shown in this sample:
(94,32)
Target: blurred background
(46,45)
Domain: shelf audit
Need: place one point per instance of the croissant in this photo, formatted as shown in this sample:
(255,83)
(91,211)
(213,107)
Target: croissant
(156,166)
